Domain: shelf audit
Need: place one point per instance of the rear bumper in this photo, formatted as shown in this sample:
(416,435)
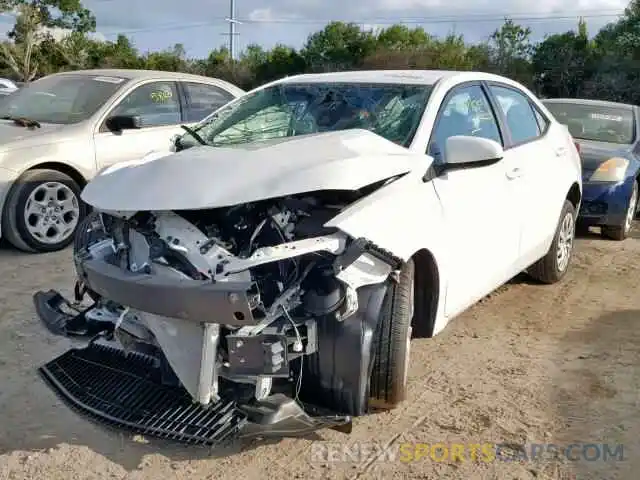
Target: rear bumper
(223,302)
(604,203)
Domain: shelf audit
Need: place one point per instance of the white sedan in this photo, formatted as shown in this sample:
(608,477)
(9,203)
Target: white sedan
(302,234)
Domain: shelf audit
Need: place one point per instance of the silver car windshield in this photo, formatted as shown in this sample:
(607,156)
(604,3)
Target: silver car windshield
(63,99)
(393,111)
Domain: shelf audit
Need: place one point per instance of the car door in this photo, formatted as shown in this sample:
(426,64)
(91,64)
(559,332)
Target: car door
(201,99)
(530,157)
(159,107)
(480,219)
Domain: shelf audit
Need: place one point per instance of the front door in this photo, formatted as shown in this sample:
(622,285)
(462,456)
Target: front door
(158,105)
(480,218)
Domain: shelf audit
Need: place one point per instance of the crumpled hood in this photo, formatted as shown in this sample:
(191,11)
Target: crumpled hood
(208,177)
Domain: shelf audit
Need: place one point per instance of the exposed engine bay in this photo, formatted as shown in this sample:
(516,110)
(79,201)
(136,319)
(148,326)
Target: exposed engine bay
(230,302)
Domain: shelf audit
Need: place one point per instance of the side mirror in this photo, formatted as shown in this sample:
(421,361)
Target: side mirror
(470,152)
(117,123)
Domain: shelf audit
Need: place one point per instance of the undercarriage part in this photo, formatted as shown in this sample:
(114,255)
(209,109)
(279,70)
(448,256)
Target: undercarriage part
(337,375)
(281,416)
(124,390)
(50,307)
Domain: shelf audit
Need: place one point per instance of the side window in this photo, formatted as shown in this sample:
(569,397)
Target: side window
(156,103)
(521,119)
(543,123)
(203,99)
(466,111)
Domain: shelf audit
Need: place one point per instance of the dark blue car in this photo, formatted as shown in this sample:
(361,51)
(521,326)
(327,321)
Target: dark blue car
(607,135)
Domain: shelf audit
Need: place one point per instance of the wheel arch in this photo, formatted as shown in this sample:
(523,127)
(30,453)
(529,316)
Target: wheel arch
(427,293)
(62,168)
(575,195)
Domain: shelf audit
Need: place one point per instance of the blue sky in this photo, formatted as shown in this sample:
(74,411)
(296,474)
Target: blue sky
(200,26)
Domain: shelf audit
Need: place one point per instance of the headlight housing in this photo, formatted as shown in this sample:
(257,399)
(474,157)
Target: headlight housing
(613,170)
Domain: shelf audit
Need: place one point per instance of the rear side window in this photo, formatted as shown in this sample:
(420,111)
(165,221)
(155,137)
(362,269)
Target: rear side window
(520,115)
(203,99)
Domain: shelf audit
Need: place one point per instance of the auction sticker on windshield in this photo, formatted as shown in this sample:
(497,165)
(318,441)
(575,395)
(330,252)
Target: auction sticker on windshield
(602,116)
(109,79)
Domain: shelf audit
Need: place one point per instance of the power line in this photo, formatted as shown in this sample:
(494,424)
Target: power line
(469,18)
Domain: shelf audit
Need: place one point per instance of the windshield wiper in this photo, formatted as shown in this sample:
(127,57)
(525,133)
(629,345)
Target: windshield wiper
(22,121)
(194,134)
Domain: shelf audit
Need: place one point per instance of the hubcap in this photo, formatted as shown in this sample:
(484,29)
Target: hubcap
(51,213)
(565,241)
(631,211)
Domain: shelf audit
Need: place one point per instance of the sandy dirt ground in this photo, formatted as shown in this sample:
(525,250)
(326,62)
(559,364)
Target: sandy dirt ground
(528,365)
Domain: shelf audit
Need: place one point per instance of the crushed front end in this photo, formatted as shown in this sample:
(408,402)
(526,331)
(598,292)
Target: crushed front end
(205,325)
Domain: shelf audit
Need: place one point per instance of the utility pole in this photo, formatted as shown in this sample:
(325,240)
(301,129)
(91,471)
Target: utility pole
(232,28)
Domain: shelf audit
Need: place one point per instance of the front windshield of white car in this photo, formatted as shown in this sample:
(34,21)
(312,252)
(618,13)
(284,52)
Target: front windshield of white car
(61,99)
(392,111)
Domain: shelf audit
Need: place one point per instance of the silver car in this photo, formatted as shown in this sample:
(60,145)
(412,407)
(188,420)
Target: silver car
(57,132)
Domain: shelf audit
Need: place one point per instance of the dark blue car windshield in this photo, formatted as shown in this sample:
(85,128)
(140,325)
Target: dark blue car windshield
(595,122)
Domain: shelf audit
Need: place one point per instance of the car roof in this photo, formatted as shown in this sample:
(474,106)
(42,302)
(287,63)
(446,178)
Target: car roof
(416,77)
(585,101)
(130,74)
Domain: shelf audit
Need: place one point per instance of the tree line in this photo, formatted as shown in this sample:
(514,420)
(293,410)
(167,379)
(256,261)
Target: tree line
(570,64)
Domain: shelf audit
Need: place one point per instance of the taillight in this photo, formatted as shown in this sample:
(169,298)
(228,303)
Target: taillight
(577,146)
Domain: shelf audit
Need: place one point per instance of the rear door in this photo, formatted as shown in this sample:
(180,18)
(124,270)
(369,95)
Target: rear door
(159,106)
(535,154)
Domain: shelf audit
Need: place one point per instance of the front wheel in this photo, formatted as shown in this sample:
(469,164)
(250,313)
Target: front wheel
(554,265)
(393,342)
(620,232)
(43,211)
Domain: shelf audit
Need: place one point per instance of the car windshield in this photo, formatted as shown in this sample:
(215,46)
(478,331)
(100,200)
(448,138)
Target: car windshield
(595,122)
(393,111)
(62,99)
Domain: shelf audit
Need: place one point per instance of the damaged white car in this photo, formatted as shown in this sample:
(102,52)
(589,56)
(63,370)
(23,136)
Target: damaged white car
(266,279)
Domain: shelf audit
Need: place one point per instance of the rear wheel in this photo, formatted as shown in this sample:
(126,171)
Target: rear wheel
(554,265)
(42,211)
(620,232)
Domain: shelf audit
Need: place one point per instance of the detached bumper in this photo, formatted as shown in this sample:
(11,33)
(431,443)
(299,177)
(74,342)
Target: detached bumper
(604,203)
(223,302)
(124,390)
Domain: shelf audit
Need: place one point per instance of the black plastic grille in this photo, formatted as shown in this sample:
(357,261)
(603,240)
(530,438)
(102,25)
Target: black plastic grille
(124,390)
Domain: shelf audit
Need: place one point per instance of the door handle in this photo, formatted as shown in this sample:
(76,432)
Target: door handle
(515,172)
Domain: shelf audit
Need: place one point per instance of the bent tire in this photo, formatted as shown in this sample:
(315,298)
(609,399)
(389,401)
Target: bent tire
(554,265)
(43,211)
(620,232)
(392,343)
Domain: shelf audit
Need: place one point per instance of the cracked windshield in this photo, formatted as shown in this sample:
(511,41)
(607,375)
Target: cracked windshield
(287,110)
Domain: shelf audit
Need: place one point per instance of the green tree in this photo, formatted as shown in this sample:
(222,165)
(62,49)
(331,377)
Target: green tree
(66,14)
(562,63)
(338,46)
(510,50)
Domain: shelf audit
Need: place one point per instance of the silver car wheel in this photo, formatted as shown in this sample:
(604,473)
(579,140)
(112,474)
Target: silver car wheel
(565,241)
(51,213)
